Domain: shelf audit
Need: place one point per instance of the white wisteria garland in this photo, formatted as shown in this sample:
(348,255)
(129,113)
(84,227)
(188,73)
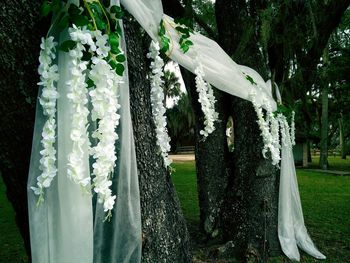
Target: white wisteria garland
(157,97)
(78,96)
(269,129)
(292,128)
(206,99)
(48,72)
(105,104)
(275,130)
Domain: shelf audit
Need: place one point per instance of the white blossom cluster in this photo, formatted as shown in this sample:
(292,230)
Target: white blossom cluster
(286,136)
(269,130)
(206,99)
(292,128)
(78,96)
(105,104)
(157,97)
(48,72)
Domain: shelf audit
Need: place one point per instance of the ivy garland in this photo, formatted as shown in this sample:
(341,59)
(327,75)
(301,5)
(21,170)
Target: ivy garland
(204,89)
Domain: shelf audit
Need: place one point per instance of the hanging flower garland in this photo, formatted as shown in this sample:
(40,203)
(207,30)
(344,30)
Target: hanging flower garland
(273,125)
(206,99)
(157,98)
(292,128)
(78,96)
(105,106)
(269,130)
(48,72)
(96,64)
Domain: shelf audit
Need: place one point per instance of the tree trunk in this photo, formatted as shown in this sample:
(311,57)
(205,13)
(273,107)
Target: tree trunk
(164,228)
(341,137)
(165,233)
(324,117)
(20,32)
(238,193)
(324,129)
(213,159)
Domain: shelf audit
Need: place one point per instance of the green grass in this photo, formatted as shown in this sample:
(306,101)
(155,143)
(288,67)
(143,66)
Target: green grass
(11,243)
(325,199)
(335,163)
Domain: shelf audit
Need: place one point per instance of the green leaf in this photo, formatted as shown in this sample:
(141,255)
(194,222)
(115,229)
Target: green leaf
(161,29)
(45,8)
(119,13)
(119,30)
(113,63)
(63,23)
(164,44)
(96,9)
(73,10)
(86,56)
(185,47)
(189,42)
(119,69)
(67,45)
(56,6)
(113,40)
(80,20)
(90,83)
(120,58)
(101,25)
(182,30)
(251,80)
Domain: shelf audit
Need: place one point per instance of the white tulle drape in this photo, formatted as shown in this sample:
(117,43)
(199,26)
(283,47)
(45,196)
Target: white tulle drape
(61,227)
(292,232)
(219,69)
(222,72)
(69,226)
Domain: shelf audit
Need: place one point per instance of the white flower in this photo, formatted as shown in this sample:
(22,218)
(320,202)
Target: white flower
(102,47)
(104,99)
(78,96)
(157,96)
(292,129)
(269,129)
(206,99)
(48,78)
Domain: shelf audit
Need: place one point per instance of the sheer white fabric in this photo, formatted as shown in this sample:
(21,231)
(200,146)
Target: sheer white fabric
(292,232)
(120,240)
(219,69)
(61,228)
(69,226)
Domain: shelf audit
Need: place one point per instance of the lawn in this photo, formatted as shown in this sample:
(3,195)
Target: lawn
(325,199)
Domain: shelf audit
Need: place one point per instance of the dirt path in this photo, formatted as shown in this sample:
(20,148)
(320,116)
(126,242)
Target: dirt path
(182,157)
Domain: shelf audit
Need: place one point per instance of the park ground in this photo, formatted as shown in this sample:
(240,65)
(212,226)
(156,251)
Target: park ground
(325,199)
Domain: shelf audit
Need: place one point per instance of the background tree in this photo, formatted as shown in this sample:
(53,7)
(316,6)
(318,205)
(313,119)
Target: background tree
(171,86)
(284,41)
(181,121)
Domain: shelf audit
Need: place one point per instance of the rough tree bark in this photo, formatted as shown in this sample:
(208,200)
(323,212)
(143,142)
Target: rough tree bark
(341,137)
(324,128)
(165,233)
(324,116)
(237,192)
(20,32)
(249,215)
